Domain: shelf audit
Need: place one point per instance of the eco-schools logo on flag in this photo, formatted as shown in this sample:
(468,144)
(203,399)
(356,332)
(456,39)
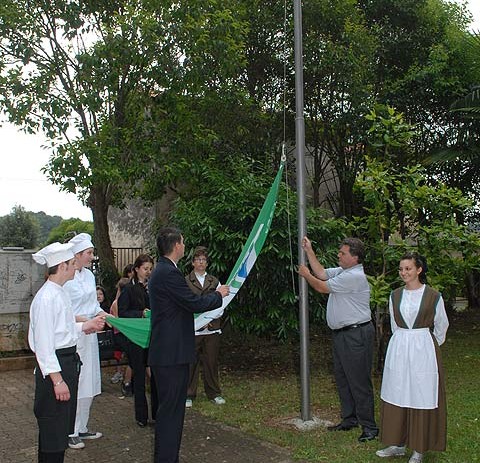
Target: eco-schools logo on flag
(246,265)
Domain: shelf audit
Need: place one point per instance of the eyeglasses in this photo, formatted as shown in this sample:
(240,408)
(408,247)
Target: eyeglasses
(200,259)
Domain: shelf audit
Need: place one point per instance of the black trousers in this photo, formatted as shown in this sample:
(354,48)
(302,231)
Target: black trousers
(352,360)
(51,457)
(137,359)
(56,419)
(172,383)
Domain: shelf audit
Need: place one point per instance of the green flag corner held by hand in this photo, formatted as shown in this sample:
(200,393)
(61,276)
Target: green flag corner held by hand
(135,329)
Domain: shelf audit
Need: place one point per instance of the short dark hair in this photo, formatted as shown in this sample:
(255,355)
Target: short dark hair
(420,262)
(54,269)
(167,238)
(356,248)
(200,251)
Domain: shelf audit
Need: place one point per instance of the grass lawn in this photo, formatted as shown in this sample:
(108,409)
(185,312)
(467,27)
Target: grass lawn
(261,384)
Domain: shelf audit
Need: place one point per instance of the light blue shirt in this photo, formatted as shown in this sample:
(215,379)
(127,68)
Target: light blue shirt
(349,298)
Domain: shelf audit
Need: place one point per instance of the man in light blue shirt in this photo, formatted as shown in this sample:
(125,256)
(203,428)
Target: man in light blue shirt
(349,317)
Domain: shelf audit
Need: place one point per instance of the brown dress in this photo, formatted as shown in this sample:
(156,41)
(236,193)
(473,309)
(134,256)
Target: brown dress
(420,430)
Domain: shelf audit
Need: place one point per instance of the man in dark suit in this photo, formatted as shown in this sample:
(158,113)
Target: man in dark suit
(172,343)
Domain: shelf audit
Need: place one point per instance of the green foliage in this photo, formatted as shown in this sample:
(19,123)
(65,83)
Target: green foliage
(404,210)
(68,228)
(458,163)
(19,228)
(389,134)
(46,222)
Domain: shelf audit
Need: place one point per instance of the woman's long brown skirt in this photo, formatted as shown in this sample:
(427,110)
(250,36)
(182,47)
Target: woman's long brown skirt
(419,430)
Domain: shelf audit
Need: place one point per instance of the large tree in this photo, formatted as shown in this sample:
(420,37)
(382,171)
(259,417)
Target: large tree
(111,84)
(19,228)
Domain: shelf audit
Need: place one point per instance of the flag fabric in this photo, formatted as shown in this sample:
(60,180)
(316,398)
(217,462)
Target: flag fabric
(249,254)
(135,329)
(138,329)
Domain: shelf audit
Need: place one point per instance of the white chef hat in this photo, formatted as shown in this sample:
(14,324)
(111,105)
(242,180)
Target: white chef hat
(54,254)
(81,242)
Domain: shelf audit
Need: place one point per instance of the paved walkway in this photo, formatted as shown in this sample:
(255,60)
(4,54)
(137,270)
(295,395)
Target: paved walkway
(123,442)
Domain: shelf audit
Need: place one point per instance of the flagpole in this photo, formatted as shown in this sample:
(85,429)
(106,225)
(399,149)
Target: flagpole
(302,227)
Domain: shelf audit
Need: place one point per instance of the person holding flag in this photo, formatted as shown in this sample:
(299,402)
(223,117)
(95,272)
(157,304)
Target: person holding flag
(207,338)
(350,319)
(83,294)
(172,342)
(134,302)
(52,336)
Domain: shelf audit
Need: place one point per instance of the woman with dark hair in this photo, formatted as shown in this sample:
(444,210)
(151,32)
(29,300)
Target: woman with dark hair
(102,299)
(134,303)
(413,407)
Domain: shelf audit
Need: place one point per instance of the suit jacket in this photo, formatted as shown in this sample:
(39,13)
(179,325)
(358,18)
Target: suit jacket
(209,285)
(172,305)
(133,300)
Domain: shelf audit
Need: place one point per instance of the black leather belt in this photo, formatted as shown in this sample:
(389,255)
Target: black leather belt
(350,327)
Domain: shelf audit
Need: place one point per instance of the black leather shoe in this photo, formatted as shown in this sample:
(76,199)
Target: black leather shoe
(342,427)
(142,424)
(367,435)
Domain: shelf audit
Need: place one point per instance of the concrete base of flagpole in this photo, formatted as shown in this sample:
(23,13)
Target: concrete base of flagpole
(308,425)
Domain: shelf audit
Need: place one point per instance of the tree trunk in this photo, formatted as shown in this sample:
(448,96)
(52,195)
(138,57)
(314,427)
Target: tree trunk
(473,289)
(108,274)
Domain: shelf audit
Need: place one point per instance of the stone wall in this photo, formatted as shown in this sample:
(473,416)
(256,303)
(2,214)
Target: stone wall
(135,226)
(131,226)
(20,279)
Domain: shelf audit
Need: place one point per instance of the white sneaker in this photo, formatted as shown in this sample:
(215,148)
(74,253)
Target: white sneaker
(416,457)
(188,403)
(75,443)
(89,435)
(392,451)
(218,400)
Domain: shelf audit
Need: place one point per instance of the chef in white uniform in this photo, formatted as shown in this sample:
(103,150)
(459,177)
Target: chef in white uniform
(52,336)
(83,293)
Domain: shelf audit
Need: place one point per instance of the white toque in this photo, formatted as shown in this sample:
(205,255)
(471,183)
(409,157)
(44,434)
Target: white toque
(54,254)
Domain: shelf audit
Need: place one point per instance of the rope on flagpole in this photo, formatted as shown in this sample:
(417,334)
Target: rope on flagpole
(284,154)
(289,227)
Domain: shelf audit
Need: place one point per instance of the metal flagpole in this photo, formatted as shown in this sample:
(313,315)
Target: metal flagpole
(300,152)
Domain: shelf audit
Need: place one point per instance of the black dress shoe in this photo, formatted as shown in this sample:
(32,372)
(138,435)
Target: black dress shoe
(142,424)
(342,427)
(368,435)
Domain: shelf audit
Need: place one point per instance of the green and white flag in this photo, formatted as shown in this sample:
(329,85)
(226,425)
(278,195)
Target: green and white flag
(138,329)
(249,254)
